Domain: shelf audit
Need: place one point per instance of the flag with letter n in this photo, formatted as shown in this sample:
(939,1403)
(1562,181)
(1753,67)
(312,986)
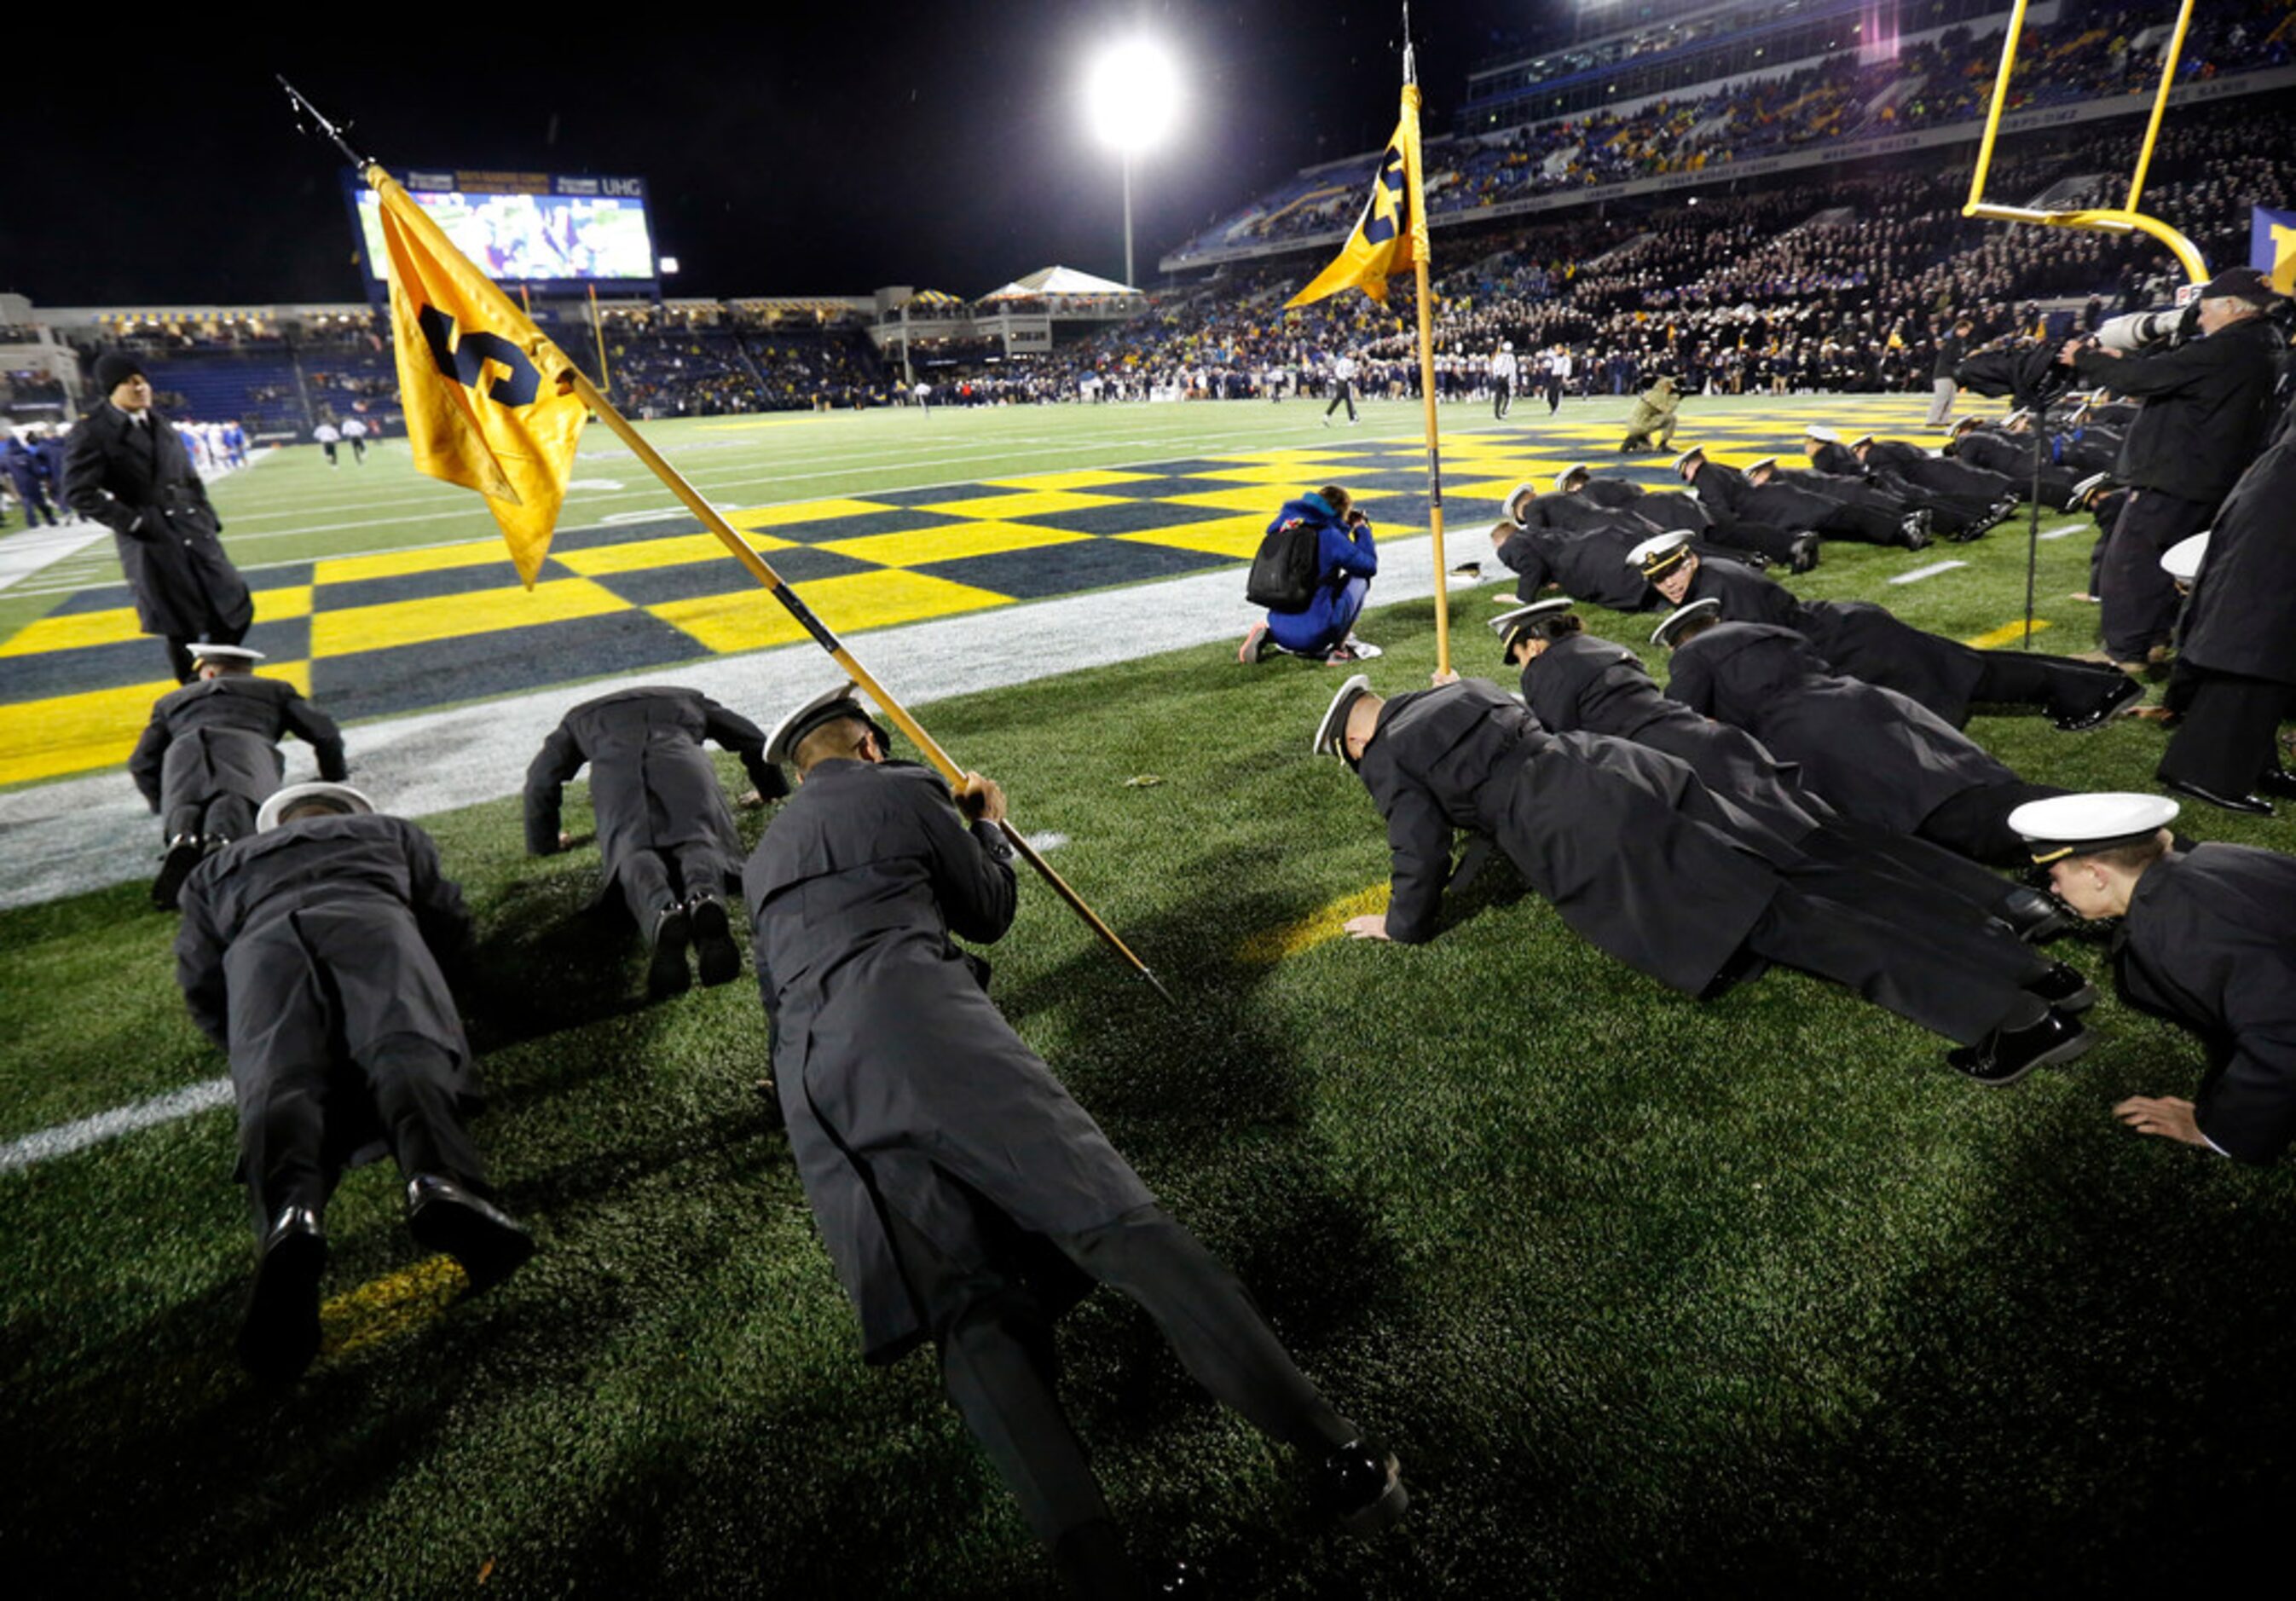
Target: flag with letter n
(478,381)
(1394,222)
(2272,246)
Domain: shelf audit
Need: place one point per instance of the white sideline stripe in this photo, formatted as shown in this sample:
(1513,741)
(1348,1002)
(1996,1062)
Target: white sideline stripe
(1047,841)
(26,555)
(76,835)
(1930,572)
(65,1139)
(2066,532)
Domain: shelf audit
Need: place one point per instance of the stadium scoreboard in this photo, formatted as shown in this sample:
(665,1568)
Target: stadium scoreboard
(550,231)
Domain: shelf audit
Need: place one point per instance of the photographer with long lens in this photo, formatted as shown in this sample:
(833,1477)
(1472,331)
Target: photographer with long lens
(2205,381)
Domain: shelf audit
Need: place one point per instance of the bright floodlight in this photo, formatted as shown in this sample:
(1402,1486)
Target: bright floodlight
(1132,96)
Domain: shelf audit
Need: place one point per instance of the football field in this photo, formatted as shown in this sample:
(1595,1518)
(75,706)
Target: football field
(1652,1297)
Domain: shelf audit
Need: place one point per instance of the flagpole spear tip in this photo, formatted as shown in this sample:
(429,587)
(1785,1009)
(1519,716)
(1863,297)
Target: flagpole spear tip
(308,119)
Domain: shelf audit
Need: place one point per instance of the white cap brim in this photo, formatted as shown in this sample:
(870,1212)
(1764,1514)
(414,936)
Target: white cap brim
(1506,621)
(200,651)
(1334,725)
(1657,544)
(1577,470)
(1823,435)
(355,800)
(1696,453)
(1751,468)
(2072,823)
(1680,615)
(2182,561)
(793,728)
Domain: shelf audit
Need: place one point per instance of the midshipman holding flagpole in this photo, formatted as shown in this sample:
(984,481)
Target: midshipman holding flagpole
(1392,230)
(492,404)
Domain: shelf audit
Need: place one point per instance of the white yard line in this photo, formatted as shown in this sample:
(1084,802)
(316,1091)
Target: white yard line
(65,1139)
(1930,572)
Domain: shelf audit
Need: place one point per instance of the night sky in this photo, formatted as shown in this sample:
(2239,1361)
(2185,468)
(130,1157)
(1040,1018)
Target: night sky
(833,153)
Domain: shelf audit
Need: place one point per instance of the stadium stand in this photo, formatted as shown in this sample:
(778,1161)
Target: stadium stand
(1545,137)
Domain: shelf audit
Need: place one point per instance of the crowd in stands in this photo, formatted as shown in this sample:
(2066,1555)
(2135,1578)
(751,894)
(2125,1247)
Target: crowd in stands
(2093,50)
(1839,283)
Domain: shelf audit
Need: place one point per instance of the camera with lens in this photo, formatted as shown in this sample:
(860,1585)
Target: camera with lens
(2160,328)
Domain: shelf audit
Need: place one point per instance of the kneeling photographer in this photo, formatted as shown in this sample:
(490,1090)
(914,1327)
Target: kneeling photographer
(2205,380)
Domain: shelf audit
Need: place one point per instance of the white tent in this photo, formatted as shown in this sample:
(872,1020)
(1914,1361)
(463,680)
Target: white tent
(1055,281)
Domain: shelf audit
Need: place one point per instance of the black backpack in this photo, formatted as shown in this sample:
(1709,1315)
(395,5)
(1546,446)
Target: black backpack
(1284,572)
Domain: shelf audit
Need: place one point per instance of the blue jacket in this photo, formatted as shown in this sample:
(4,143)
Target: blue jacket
(1341,553)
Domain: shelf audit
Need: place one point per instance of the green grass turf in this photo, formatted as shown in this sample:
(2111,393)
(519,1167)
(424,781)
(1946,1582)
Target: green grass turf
(1651,1296)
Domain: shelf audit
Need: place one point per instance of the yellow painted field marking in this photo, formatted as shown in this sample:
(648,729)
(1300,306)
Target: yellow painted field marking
(399,563)
(1238,499)
(805,511)
(92,728)
(948,544)
(78,631)
(1091,478)
(1034,503)
(1238,537)
(752,620)
(637,556)
(2008,632)
(390,1306)
(1280,475)
(1271,945)
(455,616)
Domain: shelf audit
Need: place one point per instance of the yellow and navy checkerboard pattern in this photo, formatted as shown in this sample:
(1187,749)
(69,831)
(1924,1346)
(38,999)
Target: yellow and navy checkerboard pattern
(372,636)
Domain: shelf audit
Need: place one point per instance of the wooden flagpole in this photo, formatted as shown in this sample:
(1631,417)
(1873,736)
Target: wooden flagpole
(1418,201)
(570,377)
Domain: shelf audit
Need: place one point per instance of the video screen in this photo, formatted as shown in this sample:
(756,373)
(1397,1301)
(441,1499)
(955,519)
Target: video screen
(530,238)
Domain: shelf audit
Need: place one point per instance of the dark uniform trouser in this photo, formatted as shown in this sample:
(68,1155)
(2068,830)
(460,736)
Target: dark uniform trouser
(219,817)
(1956,982)
(1502,395)
(2023,679)
(283,1124)
(2224,738)
(649,889)
(1976,822)
(996,1345)
(2140,600)
(1870,524)
(1763,538)
(1843,841)
(1343,393)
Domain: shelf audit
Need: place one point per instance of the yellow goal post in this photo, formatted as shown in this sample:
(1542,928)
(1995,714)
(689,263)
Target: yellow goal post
(2128,219)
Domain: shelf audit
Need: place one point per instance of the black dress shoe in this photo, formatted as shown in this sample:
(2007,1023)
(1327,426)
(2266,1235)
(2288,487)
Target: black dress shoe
(2252,805)
(280,1333)
(184,854)
(1360,1487)
(2278,781)
(1801,555)
(2033,916)
(665,972)
(2006,1055)
(2065,988)
(714,949)
(1912,535)
(2117,696)
(489,1241)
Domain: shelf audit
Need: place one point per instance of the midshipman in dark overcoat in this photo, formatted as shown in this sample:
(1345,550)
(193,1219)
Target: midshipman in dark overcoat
(963,1195)
(314,955)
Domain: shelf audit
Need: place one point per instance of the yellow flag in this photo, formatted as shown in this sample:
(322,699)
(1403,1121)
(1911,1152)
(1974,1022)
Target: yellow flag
(1393,224)
(478,381)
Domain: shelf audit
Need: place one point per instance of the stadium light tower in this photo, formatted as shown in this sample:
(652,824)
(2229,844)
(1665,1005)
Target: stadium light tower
(1132,96)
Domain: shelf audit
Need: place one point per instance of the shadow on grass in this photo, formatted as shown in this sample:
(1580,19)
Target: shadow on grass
(2153,1281)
